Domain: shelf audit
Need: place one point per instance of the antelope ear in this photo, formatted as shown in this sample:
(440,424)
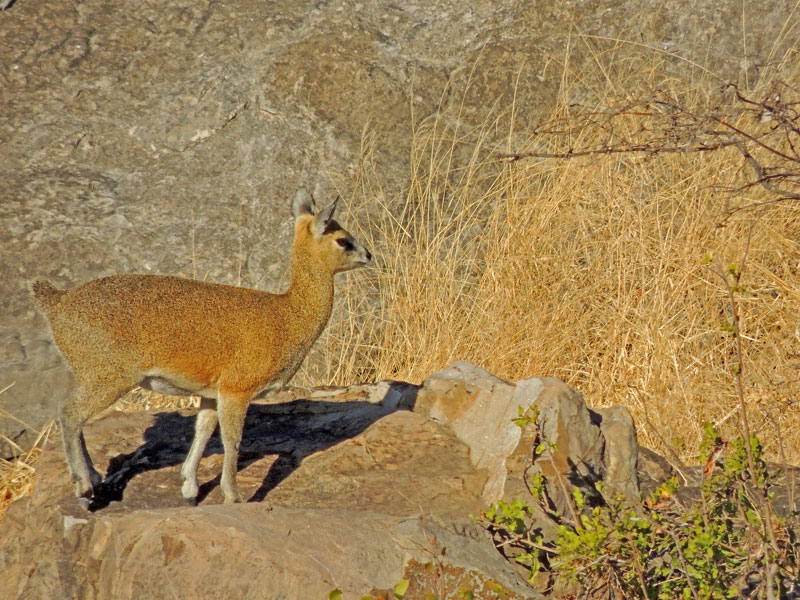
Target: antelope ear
(323,217)
(303,203)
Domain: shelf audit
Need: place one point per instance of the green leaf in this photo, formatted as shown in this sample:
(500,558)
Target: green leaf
(400,588)
(580,499)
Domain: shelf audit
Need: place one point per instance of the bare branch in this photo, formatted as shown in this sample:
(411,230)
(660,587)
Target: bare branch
(766,132)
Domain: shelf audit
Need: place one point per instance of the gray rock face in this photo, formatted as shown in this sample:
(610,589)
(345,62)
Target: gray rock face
(575,443)
(595,451)
(621,455)
(168,136)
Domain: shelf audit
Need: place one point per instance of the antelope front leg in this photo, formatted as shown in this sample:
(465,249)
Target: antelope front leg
(204,426)
(232,411)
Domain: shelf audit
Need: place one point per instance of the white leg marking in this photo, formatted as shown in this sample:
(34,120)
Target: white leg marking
(205,424)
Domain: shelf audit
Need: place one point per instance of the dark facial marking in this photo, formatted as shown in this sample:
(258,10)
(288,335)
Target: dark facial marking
(345,243)
(331,227)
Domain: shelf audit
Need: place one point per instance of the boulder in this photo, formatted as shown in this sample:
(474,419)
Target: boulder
(478,409)
(352,488)
(620,455)
(593,450)
(344,488)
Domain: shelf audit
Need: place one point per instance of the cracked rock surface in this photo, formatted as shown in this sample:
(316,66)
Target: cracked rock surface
(344,488)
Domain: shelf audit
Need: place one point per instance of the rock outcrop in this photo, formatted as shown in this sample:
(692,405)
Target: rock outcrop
(353,488)
(168,136)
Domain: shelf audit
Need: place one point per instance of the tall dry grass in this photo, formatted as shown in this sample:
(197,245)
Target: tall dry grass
(590,270)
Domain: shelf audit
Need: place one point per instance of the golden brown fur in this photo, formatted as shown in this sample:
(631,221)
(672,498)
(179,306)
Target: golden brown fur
(224,343)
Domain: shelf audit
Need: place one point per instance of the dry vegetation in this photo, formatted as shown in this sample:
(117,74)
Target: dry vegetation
(590,269)
(17,474)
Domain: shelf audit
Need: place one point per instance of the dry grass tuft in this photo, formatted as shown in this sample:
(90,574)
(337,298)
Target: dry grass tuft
(589,269)
(17,475)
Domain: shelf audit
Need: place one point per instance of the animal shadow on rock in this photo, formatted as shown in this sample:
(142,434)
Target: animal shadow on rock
(291,430)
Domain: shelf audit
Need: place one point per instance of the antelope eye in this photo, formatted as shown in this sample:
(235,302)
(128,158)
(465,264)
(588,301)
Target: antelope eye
(345,243)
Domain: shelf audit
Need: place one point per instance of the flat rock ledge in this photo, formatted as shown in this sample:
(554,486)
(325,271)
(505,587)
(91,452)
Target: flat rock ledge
(352,488)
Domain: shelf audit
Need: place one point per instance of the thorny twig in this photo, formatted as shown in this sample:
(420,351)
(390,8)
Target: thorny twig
(765,132)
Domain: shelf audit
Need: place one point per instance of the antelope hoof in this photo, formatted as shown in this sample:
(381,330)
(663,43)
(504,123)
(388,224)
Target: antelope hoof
(85,495)
(189,491)
(234,498)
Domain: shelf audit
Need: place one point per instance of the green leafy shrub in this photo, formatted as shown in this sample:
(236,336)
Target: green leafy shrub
(720,546)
